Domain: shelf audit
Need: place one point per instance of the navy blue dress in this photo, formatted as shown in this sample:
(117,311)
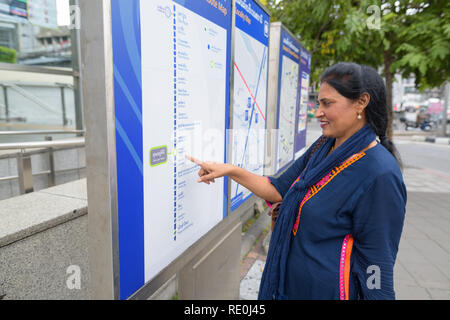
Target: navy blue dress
(345,241)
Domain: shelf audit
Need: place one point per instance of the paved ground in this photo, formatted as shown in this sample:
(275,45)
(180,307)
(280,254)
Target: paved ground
(422,270)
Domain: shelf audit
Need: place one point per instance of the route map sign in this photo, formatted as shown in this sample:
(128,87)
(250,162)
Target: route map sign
(302,113)
(288,98)
(172,62)
(250,93)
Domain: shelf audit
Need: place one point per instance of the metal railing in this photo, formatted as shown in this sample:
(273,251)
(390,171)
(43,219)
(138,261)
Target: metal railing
(24,167)
(73,72)
(41,132)
(34,69)
(17,87)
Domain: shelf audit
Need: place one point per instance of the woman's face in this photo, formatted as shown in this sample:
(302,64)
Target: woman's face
(338,115)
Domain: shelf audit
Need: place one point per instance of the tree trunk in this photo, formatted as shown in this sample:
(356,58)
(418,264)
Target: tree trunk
(445,108)
(389,79)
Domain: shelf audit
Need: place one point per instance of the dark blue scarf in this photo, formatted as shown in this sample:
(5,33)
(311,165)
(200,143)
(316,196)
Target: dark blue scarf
(273,279)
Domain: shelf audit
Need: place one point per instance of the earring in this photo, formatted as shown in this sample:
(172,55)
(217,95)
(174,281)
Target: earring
(359,116)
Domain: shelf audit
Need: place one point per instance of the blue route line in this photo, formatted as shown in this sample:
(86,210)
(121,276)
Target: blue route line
(253,111)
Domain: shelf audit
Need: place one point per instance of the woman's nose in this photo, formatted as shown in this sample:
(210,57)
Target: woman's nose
(319,112)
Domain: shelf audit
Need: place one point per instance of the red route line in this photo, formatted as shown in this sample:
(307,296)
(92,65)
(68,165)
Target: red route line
(286,119)
(249,91)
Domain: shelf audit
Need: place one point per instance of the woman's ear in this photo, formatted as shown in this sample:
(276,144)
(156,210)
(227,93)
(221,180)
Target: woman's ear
(363,101)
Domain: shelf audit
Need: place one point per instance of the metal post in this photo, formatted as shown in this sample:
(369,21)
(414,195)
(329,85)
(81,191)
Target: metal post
(63,107)
(5,97)
(445,108)
(272,98)
(51,161)
(25,173)
(76,62)
(98,84)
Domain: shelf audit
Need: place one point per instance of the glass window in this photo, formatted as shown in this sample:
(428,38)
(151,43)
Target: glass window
(7,38)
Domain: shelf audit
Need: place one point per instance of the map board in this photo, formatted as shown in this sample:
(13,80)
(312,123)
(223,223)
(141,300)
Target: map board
(250,93)
(288,99)
(172,62)
(302,109)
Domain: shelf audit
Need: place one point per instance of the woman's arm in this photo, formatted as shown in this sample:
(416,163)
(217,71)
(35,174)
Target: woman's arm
(377,228)
(258,185)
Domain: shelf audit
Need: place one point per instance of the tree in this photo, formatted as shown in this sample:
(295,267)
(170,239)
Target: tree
(8,55)
(403,36)
(424,48)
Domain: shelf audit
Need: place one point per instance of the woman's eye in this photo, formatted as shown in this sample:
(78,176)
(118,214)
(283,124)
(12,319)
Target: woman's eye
(324,103)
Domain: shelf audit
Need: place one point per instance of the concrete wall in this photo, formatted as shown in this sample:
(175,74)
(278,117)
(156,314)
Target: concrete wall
(43,243)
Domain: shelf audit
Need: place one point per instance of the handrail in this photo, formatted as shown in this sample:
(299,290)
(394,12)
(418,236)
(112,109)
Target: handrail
(42,173)
(80,142)
(36,84)
(34,69)
(30,96)
(40,132)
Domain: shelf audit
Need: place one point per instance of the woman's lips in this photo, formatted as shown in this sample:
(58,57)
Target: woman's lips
(323,124)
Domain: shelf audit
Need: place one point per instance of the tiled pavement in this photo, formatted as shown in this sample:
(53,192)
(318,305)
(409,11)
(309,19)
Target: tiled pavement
(422,269)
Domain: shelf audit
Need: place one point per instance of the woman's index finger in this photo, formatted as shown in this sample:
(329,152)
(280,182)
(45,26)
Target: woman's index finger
(200,163)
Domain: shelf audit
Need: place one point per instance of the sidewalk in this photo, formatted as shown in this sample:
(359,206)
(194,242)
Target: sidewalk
(422,270)
(431,139)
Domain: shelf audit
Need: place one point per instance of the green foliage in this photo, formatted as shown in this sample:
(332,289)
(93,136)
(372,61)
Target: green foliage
(8,55)
(414,34)
(425,48)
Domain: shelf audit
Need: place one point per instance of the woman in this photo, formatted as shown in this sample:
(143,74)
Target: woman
(343,201)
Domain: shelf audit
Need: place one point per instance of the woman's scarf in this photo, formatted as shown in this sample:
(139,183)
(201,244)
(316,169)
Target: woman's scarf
(273,278)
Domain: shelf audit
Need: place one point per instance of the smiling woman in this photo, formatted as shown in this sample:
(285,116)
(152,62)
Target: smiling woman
(343,209)
(343,201)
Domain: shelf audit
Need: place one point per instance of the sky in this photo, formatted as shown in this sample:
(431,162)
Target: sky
(62,7)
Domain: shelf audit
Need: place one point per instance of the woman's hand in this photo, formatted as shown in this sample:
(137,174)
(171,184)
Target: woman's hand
(259,185)
(211,170)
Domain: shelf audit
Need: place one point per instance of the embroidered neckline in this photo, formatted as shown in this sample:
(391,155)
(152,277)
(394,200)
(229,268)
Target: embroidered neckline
(323,182)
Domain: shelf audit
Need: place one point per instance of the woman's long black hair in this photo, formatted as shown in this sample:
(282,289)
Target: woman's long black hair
(351,80)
